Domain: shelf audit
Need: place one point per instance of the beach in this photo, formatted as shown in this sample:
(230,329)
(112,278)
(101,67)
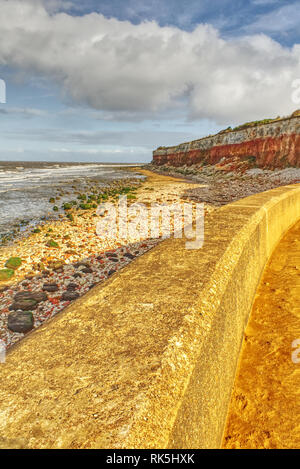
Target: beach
(62,259)
(28,188)
(62,256)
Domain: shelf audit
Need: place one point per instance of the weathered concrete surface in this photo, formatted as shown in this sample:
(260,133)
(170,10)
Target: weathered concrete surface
(273,145)
(148,359)
(265,406)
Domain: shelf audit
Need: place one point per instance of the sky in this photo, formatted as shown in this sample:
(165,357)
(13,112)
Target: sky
(111,80)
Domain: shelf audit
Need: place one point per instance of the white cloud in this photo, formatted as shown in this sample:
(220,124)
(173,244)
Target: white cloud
(26,112)
(57,5)
(120,67)
(283,19)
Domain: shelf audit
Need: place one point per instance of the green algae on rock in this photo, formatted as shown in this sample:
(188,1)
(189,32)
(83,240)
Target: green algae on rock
(6,274)
(52,244)
(13,263)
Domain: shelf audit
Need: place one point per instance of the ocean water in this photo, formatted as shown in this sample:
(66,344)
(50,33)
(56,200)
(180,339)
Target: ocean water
(25,188)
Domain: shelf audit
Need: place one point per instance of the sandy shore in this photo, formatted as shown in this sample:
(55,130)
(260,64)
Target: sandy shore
(62,260)
(264,410)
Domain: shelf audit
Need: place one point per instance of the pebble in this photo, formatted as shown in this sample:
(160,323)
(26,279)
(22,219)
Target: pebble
(50,287)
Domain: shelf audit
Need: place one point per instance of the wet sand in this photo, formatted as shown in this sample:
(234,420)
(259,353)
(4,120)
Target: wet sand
(265,404)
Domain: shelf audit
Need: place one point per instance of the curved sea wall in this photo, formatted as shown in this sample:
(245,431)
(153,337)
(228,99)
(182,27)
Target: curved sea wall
(273,145)
(148,358)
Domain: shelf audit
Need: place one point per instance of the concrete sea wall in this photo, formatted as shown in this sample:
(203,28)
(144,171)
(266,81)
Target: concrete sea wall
(273,145)
(148,358)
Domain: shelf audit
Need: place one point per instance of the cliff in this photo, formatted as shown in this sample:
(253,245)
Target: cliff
(269,144)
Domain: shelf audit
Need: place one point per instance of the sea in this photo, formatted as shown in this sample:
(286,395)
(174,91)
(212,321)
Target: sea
(25,189)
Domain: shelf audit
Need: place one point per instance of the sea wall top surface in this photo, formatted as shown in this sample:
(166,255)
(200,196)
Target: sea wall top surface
(147,359)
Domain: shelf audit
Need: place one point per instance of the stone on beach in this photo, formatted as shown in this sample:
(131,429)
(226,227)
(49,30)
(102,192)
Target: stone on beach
(27,295)
(77,275)
(69,296)
(25,304)
(130,256)
(13,263)
(20,321)
(72,286)
(6,274)
(52,244)
(50,287)
(87,270)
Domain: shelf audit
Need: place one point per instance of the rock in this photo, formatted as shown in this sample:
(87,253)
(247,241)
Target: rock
(111,254)
(52,244)
(27,295)
(69,296)
(85,206)
(81,264)
(130,256)
(77,275)
(20,321)
(113,259)
(87,270)
(13,263)
(50,287)
(25,304)
(72,286)
(111,272)
(6,274)
(67,206)
(56,265)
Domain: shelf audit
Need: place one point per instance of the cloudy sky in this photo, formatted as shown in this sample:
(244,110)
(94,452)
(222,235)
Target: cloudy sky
(110,80)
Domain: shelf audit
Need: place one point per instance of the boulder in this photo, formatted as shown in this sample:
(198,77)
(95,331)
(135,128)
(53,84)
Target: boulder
(13,263)
(52,244)
(20,321)
(28,295)
(25,304)
(87,270)
(130,256)
(69,296)
(6,274)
